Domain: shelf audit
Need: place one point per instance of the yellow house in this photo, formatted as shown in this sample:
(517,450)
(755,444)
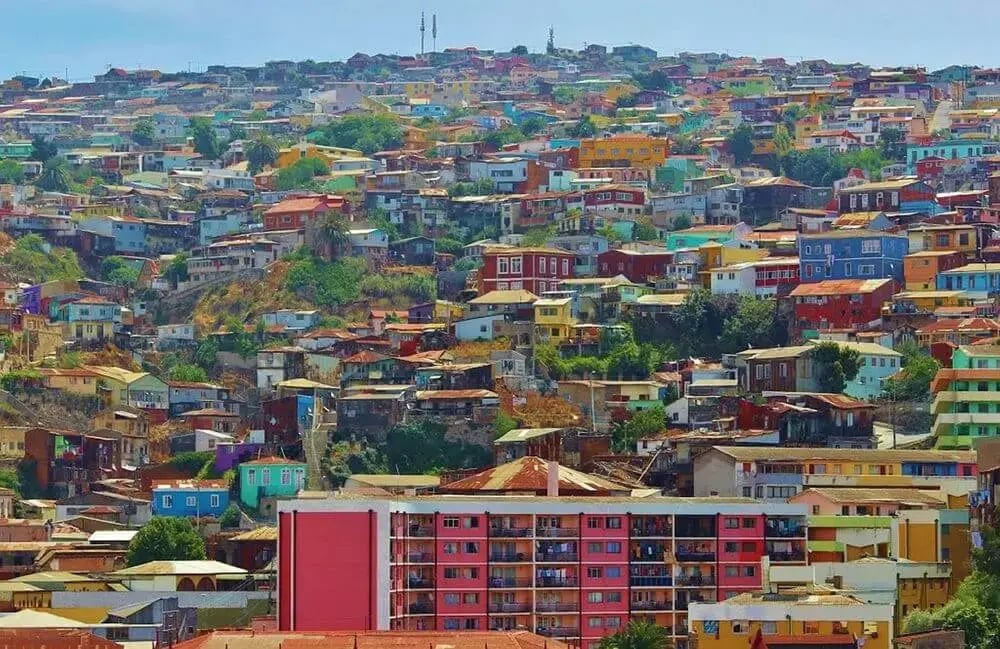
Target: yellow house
(750,620)
(928,301)
(328,154)
(715,255)
(12,441)
(619,90)
(77,381)
(554,319)
(624,150)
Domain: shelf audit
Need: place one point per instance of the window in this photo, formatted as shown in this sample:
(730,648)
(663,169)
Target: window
(167,501)
(595,598)
(595,547)
(449,548)
(847,269)
(503,266)
(265,478)
(866,269)
(614,547)
(613,572)
(747,492)
(780,492)
(515,265)
(613,596)
(731,546)
(741,626)
(593,523)
(613,523)
(190,501)
(612,622)
(470,598)
(732,523)
(541,265)
(286,476)
(871,246)
(213,500)
(595,572)
(594,622)
(749,571)
(472,548)
(749,523)
(769,627)
(452,598)
(732,571)
(470,522)
(251,477)
(450,522)
(748,546)
(565,266)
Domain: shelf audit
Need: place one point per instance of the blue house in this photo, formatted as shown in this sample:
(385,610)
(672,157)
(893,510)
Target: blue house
(851,254)
(949,150)
(435,111)
(128,233)
(190,498)
(979,280)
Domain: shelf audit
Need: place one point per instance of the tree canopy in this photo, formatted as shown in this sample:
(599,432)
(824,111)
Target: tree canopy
(116,270)
(834,366)
(301,174)
(165,539)
(367,133)
(41,149)
(143,131)
(637,635)
(11,172)
(913,381)
(206,142)
(261,152)
(740,144)
(55,176)
(31,259)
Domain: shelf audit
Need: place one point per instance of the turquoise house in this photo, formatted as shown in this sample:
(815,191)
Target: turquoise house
(699,235)
(270,477)
(15,149)
(949,150)
(876,363)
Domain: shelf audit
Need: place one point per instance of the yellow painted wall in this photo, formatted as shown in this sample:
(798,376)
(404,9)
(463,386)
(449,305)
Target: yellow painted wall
(638,150)
(918,541)
(727,639)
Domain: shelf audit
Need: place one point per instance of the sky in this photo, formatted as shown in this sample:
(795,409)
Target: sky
(50,37)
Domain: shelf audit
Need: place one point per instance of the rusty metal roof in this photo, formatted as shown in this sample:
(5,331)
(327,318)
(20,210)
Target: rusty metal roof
(532,474)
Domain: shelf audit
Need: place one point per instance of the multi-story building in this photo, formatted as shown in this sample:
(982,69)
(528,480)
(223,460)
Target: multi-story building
(920,269)
(840,304)
(624,151)
(763,278)
(905,194)
(966,402)
(639,266)
(295,213)
(225,258)
(576,570)
(533,269)
(624,200)
(850,254)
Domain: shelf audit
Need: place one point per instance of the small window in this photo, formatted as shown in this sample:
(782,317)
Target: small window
(190,501)
(167,501)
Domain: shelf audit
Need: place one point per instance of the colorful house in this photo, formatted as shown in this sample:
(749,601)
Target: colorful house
(920,269)
(624,150)
(966,402)
(269,478)
(840,304)
(727,235)
(899,195)
(848,254)
(949,150)
(137,389)
(190,498)
(876,364)
(554,319)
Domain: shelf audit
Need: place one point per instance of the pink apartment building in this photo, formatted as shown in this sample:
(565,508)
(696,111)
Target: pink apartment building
(576,569)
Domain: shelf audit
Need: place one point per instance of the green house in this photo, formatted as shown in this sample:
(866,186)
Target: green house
(270,477)
(15,149)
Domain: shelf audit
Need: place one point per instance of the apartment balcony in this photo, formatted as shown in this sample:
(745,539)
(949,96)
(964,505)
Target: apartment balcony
(557,557)
(510,532)
(558,631)
(556,582)
(685,556)
(419,531)
(945,399)
(557,532)
(419,557)
(651,581)
(556,607)
(797,532)
(695,581)
(510,582)
(651,532)
(420,608)
(787,557)
(967,418)
(650,606)
(510,607)
(513,557)
(419,583)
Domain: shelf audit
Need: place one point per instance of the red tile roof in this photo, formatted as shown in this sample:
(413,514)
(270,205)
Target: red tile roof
(839,287)
(271,459)
(531,474)
(365,356)
(371,640)
(964,324)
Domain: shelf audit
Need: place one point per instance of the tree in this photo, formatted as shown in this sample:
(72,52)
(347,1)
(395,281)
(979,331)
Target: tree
(644,231)
(32,259)
(532,126)
(585,127)
(143,131)
(782,140)
(913,381)
(176,271)
(205,353)
(421,447)
(261,152)
(11,172)
(755,324)
(637,635)
(685,145)
(231,517)
(301,174)
(538,237)
(655,80)
(165,539)
(643,423)
(55,176)
(503,424)
(681,222)
(740,144)
(116,270)
(834,366)
(206,142)
(368,133)
(42,150)
(519,50)
(892,144)
(188,373)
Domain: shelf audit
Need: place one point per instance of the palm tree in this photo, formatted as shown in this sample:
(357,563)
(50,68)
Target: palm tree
(55,177)
(261,151)
(639,634)
(331,237)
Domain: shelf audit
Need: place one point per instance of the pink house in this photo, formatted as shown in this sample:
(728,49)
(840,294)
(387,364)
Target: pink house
(857,501)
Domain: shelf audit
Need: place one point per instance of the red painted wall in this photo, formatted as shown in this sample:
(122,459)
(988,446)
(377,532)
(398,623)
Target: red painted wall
(314,549)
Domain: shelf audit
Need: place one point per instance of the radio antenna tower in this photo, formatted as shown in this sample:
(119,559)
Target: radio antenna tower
(434,32)
(422,29)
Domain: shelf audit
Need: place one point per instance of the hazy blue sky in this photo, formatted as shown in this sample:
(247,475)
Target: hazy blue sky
(45,37)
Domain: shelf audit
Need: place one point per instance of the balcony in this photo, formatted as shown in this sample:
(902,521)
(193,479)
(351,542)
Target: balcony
(514,557)
(556,607)
(510,607)
(509,582)
(651,532)
(652,580)
(557,532)
(695,557)
(695,580)
(785,532)
(683,605)
(510,532)
(556,582)
(419,557)
(650,606)
(414,582)
(557,557)
(420,530)
(420,608)
(558,631)
(787,557)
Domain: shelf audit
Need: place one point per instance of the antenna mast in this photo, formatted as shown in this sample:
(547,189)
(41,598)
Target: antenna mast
(422,29)
(434,32)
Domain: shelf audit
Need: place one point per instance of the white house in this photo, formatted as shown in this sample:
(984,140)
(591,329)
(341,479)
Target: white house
(477,327)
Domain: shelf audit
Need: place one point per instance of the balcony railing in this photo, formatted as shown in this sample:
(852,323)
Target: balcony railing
(787,556)
(650,606)
(510,558)
(651,531)
(558,532)
(556,557)
(556,607)
(419,557)
(556,582)
(417,608)
(509,582)
(695,556)
(510,532)
(654,580)
(558,631)
(420,530)
(419,583)
(696,580)
(784,533)
(510,607)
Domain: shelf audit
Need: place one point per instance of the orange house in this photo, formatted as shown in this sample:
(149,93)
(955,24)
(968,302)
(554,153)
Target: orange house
(920,269)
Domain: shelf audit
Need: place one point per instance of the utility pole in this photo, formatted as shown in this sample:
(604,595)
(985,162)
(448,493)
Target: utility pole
(434,32)
(422,30)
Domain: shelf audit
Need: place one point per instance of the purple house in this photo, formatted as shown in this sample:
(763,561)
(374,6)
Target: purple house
(229,454)
(32,297)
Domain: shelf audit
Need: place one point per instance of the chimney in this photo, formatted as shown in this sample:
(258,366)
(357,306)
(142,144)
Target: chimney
(552,471)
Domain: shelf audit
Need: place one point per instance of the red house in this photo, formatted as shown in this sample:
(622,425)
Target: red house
(534,269)
(637,266)
(620,199)
(295,213)
(841,303)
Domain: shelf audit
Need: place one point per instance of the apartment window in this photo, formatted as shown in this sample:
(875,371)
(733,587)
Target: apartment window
(593,523)
(595,572)
(541,265)
(451,573)
(613,523)
(450,548)
(213,500)
(472,548)
(612,622)
(749,571)
(810,627)
(595,598)
(450,522)
(470,573)
(470,522)
(613,572)
(780,492)
(731,546)
(741,626)
(732,571)
(595,547)
(594,622)
(503,266)
(847,269)
(749,523)
(515,265)
(748,546)
(167,501)
(866,269)
(190,501)
(732,523)
(452,598)
(251,477)
(613,596)
(747,492)
(565,266)
(769,627)
(470,598)
(613,547)
(265,478)
(871,246)
(286,476)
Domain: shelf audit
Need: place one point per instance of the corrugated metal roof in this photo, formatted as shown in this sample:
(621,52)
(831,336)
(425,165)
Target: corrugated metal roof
(180,568)
(749,453)
(839,287)
(524,434)
(531,474)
